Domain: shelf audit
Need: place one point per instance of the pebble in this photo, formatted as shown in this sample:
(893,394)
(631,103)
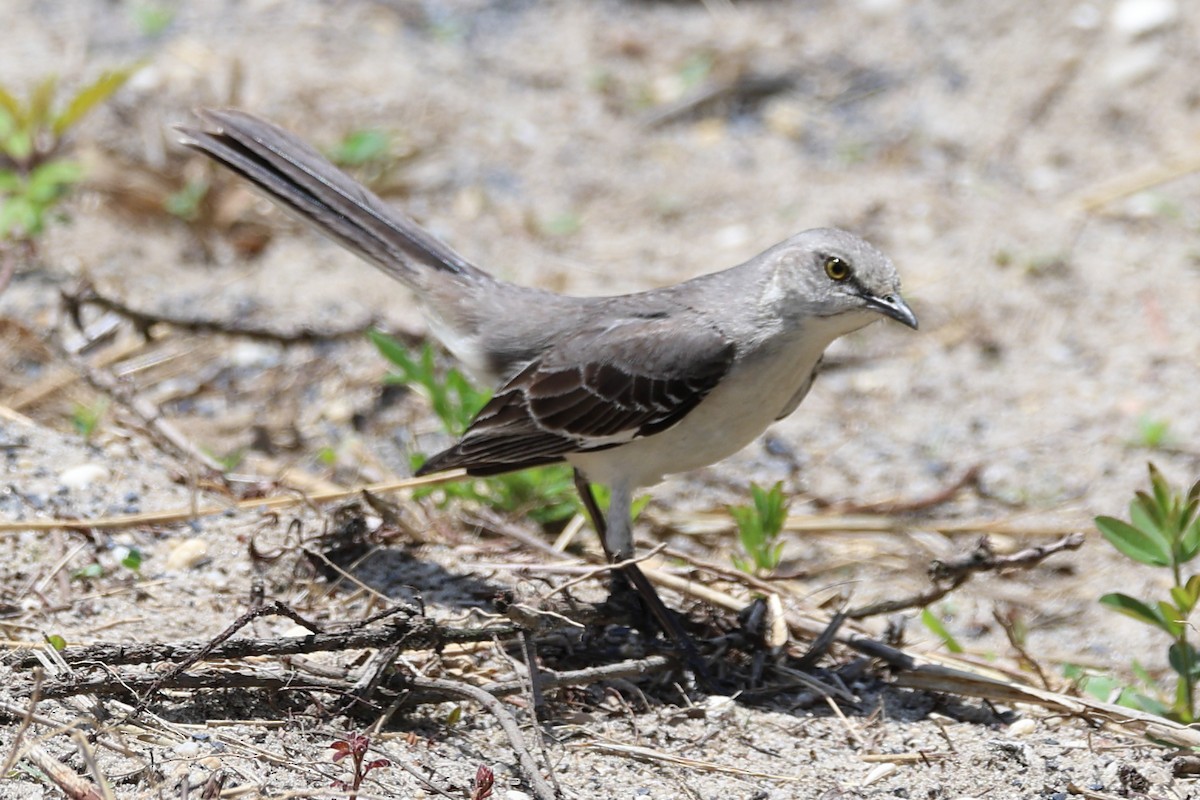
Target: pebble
(1134,18)
(83,475)
(255,354)
(188,749)
(1133,64)
(731,236)
(1022,727)
(879,772)
(187,554)
(1086,17)
(881,8)
(718,707)
(786,117)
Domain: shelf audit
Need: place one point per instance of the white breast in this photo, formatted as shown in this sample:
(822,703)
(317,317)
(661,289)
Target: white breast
(750,398)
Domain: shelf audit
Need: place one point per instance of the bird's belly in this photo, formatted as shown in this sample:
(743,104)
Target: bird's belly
(732,415)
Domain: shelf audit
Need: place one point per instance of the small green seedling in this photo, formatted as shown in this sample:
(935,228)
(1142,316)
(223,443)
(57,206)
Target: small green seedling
(453,399)
(34,175)
(86,419)
(361,147)
(1164,531)
(545,494)
(759,526)
(938,628)
(373,155)
(1153,433)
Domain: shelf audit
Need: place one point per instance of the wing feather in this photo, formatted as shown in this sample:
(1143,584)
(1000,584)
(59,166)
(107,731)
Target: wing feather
(603,386)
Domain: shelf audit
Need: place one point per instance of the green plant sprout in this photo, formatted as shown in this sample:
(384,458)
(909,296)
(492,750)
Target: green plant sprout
(1164,531)
(86,419)
(1153,433)
(34,176)
(759,526)
(545,494)
(938,628)
(374,155)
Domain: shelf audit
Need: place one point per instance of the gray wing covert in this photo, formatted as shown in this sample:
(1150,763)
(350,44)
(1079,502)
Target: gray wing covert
(598,388)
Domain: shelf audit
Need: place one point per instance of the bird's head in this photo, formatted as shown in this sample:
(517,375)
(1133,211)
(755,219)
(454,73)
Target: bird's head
(829,273)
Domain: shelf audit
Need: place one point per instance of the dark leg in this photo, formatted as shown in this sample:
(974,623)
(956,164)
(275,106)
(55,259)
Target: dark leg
(630,575)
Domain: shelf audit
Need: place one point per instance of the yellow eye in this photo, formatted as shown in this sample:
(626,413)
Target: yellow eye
(837,269)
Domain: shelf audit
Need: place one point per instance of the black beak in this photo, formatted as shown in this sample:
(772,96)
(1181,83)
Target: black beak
(893,305)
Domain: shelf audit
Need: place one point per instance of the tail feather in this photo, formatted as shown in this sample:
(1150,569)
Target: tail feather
(302,180)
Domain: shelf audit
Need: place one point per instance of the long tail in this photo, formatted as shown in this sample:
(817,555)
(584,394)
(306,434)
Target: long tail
(300,179)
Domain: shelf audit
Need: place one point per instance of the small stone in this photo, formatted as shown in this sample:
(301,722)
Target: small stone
(786,118)
(1086,17)
(879,772)
(1022,727)
(187,554)
(83,475)
(732,236)
(254,355)
(188,749)
(881,8)
(1134,18)
(1130,65)
(718,707)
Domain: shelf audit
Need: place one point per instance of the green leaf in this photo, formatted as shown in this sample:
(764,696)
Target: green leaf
(12,107)
(40,99)
(152,19)
(1183,601)
(1172,619)
(1145,514)
(19,145)
(1138,545)
(360,147)
(92,95)
(133,559)
(1162,490)
(1189,540)
(185,203)
(391,349)
(1137,609)
(57,642)
(771,506)
(1184,659)
(49,180)
(1131,699)
(90,571)
(563,224)
(1152,433)
(19,217)
(776,556)
(930,621)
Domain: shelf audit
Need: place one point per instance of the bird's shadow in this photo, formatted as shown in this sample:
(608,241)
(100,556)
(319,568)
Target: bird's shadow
(740,664)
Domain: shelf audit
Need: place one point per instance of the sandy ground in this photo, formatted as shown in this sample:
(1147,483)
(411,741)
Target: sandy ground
(1025,165)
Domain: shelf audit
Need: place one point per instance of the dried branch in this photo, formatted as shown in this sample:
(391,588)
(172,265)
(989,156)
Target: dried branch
(949,575)
(86,294)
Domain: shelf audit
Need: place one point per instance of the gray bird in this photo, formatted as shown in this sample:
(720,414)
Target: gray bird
(625,389)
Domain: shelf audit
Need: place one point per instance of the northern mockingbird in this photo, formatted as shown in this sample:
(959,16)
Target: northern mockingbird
(625,389)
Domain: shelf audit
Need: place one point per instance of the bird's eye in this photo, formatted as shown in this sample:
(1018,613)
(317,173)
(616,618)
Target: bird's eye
(836,268)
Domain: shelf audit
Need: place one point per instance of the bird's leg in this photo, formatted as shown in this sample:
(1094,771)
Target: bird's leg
(616,536)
